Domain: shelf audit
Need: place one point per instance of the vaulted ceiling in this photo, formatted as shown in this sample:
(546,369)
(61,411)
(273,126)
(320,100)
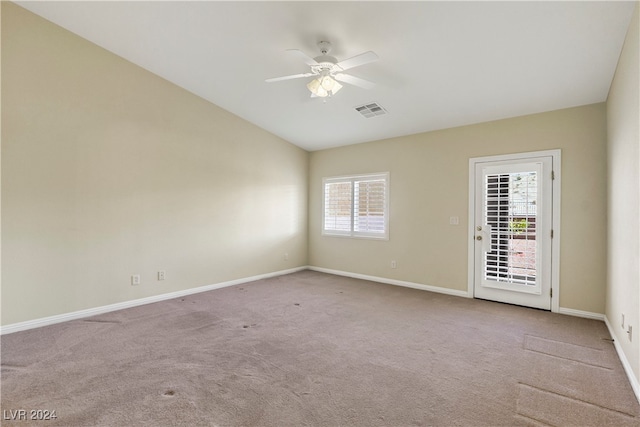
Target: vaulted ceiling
(441,64)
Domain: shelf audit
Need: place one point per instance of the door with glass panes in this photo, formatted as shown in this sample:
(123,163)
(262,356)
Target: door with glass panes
(512,231)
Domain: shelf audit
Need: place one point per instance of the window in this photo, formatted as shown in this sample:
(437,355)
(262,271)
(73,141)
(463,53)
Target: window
(356,206)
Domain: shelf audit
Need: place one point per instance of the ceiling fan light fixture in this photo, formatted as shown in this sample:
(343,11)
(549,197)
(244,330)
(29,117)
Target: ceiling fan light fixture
(327,83)
(314,87)
(324,86)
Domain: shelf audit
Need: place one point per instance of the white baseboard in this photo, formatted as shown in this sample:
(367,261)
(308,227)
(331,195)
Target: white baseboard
(45,321)
(635,384)
(438,289)
(413,285)
(580,313)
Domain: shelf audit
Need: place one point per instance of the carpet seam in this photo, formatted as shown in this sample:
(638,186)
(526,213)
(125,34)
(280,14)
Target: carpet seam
(570,360)
(525,348)
(562,342)
(534,419)
(626,414)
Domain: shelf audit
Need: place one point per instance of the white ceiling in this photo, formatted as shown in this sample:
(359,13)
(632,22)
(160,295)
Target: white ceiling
(442,64)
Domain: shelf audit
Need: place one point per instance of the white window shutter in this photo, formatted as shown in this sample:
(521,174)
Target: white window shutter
(356,206)
(337,206)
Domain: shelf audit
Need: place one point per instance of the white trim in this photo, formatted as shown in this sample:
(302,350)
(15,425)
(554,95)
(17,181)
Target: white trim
(635,384)
(46,321)
(51,320)
(556,156)
(580,313)
(394,282)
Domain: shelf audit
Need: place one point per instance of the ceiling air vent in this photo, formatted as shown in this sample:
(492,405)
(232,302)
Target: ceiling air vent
(371,110)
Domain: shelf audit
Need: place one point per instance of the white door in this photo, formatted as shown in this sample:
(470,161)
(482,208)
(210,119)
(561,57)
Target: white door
(512,231)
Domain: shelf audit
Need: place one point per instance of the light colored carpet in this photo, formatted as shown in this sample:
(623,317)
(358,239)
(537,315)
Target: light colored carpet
(312,349)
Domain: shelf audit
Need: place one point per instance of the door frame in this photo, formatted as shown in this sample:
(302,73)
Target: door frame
(555,216)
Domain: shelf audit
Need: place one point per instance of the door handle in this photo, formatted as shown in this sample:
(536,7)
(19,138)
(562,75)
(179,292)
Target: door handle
(486,242)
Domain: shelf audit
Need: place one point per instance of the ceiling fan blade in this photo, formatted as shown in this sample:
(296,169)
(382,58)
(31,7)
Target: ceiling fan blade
(306,58)
(356,61)
(293,76)
(353,80)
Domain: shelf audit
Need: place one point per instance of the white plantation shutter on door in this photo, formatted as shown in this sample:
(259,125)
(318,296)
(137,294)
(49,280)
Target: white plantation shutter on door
(356,206)
(510,211)
(513,214)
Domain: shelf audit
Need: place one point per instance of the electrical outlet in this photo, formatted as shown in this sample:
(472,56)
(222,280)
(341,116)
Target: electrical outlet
(629,332)
(135,279)
(286,256)
(394,264)
(454,220)
(162,275)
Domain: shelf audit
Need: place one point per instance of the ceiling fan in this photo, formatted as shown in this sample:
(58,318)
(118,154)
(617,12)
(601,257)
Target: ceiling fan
(328,71)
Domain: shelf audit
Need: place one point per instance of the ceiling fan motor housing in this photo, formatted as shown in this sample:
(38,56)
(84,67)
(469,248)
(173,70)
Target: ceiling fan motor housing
(325,63)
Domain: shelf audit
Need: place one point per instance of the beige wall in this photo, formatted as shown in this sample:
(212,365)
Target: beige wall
(429,176)
(623,281)
(109,171)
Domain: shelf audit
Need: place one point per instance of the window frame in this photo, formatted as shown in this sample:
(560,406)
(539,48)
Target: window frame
(352,179)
